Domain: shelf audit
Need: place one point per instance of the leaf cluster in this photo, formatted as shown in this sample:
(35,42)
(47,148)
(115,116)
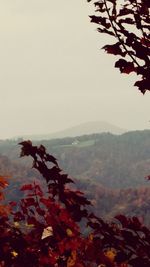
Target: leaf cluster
(128,22)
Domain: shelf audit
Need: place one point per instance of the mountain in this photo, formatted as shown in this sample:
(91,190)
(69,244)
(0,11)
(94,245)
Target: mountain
(110,169)
(81,129)
(114,161)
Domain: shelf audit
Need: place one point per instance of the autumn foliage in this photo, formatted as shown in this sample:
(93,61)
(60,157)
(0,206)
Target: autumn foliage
(52,226)
(128,23)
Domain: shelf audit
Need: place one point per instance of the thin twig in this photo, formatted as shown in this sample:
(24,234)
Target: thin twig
(117,35)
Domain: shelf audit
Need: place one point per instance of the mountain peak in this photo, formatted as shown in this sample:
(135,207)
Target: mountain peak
(91,127)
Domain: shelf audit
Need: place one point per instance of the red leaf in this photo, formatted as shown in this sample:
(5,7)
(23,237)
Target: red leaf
(114,49)
(125,66)
(18,216)
(46,202)
(145,42)
(26,187)
(29,202)
(31,220)
(143,85)
(13,203)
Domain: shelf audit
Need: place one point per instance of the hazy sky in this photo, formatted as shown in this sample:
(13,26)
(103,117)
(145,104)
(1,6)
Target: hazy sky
(53,74)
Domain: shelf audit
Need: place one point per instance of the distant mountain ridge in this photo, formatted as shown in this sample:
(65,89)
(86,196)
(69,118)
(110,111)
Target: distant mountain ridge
(78,130)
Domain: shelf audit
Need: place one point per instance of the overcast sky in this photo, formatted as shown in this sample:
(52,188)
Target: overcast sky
(54,75)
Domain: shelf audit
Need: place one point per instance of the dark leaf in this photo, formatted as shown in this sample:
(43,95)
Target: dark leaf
(143,85)
(125,66)
(114,49)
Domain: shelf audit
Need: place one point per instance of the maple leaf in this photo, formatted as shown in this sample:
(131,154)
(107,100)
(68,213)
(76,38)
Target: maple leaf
(143,85)
(125,66)
(114,49)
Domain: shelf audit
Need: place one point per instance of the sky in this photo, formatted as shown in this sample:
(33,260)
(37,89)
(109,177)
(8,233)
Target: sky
(54,74)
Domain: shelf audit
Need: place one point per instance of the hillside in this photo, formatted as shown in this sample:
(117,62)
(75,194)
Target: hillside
(111,160)
(109,168)
(115,161)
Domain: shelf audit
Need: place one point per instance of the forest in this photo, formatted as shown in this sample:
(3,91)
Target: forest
(109,169)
